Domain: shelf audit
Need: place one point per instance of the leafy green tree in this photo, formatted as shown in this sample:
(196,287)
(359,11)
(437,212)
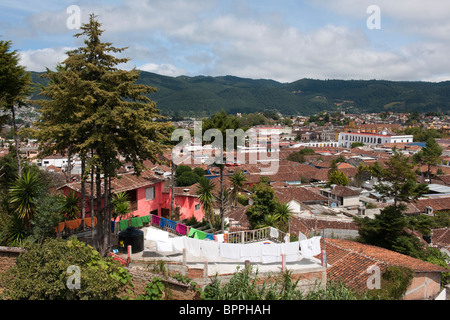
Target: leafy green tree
(296,157)
(429,156)
(14,88)
(398,180)
(43,272)
(264,203)
(339,178)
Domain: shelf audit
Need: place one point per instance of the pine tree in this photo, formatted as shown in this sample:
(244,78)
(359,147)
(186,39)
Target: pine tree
(14,87)
(111,116)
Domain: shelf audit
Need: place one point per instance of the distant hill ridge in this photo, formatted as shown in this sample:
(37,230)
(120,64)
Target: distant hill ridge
(204,95)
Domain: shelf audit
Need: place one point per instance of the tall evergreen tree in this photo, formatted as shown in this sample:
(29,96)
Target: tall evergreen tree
(112,116)
(14,87)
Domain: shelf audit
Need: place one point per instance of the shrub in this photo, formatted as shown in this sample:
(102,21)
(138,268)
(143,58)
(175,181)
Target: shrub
(42,273)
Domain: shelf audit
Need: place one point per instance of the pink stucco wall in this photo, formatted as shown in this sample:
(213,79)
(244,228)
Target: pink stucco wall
(161,201)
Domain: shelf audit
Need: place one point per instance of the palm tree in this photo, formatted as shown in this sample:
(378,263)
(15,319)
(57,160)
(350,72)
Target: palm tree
(121,205)
(71,206)
(24,194)
(283,214)
(237,180)
(269,220)
(205,191)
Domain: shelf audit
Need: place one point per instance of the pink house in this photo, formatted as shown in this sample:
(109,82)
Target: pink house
(147,195)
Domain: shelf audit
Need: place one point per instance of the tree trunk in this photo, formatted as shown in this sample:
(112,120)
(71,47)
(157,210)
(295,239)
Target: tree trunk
(172,195)
(83,190)
(16,141)
(91,206)
(69,164)
(222,209)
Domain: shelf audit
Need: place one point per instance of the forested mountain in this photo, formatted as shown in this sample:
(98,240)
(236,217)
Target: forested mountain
(203,95)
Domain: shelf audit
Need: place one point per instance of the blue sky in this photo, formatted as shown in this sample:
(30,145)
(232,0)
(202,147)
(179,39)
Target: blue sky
(284,40)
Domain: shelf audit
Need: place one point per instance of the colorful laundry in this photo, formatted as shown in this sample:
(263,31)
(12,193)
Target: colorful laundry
(156,220)
(123,224)
(137,222)
(181,229)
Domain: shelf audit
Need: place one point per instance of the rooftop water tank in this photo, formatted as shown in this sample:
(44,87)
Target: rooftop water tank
(133,237)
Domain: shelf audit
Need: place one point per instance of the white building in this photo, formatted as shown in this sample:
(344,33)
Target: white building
(346,139)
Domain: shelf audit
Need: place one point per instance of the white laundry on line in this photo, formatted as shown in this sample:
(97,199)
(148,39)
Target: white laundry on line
(251,252)
(155,234)
(230,250)
(209,249)
(164,245)
(310,247)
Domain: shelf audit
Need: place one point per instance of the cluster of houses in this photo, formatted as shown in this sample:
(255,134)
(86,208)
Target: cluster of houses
(317,209)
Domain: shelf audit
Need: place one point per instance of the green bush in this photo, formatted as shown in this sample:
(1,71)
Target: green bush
(42,273)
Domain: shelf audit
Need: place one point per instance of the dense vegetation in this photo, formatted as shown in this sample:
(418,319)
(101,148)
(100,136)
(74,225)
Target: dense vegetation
(201,95)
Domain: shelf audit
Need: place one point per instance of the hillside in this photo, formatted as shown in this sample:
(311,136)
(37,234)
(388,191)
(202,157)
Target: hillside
(203,95)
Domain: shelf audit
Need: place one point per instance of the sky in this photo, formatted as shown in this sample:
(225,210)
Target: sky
(283,40)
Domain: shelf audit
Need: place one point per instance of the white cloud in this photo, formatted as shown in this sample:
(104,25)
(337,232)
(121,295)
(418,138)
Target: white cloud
(40,59)
(206,37)
(163,69)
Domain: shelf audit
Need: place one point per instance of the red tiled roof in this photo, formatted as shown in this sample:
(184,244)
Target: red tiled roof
(350,260)
(441,237)
(123,182)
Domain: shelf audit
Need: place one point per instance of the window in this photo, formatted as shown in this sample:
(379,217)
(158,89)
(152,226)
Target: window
(197,206)
(150,193)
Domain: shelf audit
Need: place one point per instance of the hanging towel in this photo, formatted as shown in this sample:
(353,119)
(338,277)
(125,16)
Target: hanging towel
(193,247)
(60,227)
(145,219)
(136,222)
(271,253)
(162,222)
(200,235)
(310,247)
(301,236)
(219,238)
(172,225)
(291,250)
(210,249)
(273,232)
(251,252)
(181,229)
(210,236)
(73,224)
(178,244)
(88,222)
(230,251)
(123,224)
(156,220)
(155,234)
(164,245)
(192,231)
